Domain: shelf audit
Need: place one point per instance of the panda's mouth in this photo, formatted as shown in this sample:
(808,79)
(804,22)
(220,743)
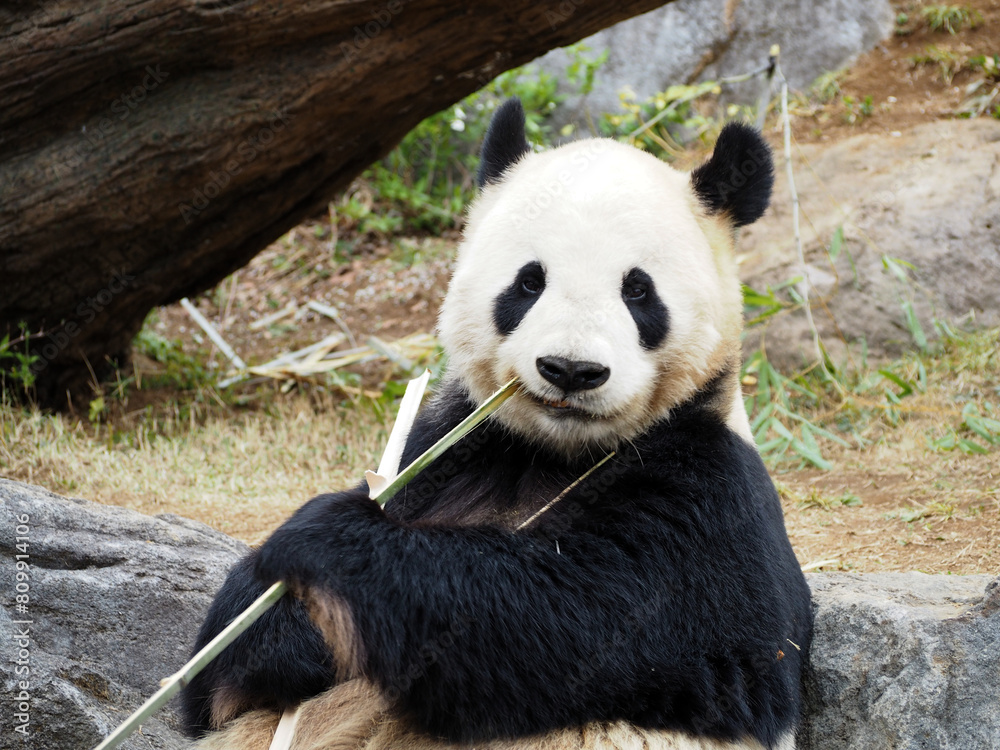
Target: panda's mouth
(559,407)
(556,404)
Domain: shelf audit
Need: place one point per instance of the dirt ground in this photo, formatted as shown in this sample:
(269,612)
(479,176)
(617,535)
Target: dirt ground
(904,87)
(894,505)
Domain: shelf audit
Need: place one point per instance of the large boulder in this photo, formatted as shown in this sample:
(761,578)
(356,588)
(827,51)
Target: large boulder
(899,661)
(904,661)
(115,599)
(711,39)
(929,196)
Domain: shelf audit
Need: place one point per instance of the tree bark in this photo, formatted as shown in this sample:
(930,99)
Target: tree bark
(150,148)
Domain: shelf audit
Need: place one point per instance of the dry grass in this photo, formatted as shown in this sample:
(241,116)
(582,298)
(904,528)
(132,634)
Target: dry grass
(241,472)
(901,501)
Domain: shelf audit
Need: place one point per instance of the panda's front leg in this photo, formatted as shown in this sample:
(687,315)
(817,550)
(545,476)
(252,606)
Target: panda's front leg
(473,631)
(278,662)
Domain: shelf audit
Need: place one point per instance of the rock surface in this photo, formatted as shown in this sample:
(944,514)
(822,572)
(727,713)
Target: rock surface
(711,39)
(930,197)
(116,599)
(900,661)
(904,661)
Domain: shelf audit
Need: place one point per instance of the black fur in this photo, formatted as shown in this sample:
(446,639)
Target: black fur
(505,142)
(662,591)
(737,180)
(648,311)
(514,302)
(277,663)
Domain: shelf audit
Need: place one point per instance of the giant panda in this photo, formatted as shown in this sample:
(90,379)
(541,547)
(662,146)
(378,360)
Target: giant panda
(656,604)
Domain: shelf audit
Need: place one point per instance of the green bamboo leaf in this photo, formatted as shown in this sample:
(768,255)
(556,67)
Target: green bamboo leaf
(772,446)
(807,437)
(783,431)
(985,427)
(913,323)
(792,282)
(946,443)
(754,298)
(907,388)
(971,446)
(898,267)
(811,455)
(763,384)
(762,417)
(814,427)
(836,243)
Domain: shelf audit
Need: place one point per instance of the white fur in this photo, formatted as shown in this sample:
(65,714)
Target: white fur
(588,212)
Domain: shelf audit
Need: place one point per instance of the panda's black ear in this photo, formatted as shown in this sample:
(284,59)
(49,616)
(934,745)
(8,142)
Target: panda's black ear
(505,142)
(737,180)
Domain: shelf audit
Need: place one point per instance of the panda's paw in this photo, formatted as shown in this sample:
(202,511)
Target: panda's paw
(313,546)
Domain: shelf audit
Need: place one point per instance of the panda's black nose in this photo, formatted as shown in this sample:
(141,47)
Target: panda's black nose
(572,375)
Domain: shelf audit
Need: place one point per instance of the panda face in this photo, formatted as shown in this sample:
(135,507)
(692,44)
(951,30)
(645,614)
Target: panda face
(595,274)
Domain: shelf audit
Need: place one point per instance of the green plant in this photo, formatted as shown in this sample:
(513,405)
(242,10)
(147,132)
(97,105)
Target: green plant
(827,86)
(777,421)
(948,61)
(855,111)
(659,124)
(816,499)
(950,18)
(424,184)
(985,427)
(988,65)
(582,69)
(943,510)
(983,95)
(180,369)
(16,360)
(901,269)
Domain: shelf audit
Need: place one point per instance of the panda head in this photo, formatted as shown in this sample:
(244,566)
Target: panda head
(603,279)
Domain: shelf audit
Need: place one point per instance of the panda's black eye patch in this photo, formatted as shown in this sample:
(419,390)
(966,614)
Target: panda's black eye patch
(514,302)
(646,308)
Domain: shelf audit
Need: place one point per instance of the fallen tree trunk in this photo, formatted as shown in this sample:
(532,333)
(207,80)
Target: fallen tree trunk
(148,149)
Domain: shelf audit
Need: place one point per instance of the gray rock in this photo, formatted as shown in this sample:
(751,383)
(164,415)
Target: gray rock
(929,196)
(904,661)
(692,40)
(116,599)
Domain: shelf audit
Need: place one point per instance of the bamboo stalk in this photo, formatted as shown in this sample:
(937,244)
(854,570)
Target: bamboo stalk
(576,483)
(173,684)
(806,279)
(213,334)
(472,421)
